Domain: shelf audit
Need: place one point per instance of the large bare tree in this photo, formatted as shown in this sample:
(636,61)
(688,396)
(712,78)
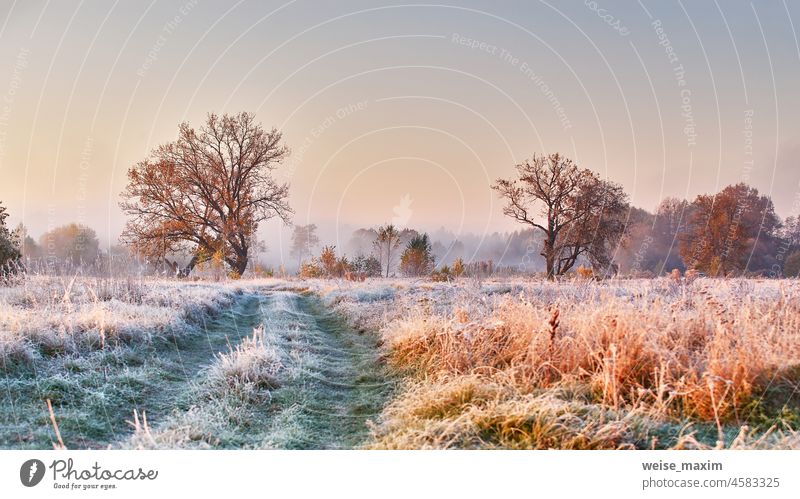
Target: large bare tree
(207,192)
(579,213)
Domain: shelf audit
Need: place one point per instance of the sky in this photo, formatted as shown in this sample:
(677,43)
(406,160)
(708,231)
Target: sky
(400,112)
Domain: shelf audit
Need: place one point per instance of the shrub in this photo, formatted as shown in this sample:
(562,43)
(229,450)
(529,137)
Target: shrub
(458,267)
(367,266)
(9,251)
(261,271)
(342,267)
(328,265)
(417,259)
(442,275)
(310,270)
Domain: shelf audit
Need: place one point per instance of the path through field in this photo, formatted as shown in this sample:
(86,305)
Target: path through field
(329,384)
(329,381)
(332,381)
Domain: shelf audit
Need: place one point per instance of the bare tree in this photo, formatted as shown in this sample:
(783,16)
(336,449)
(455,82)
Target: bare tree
(304,240)
(386,244)
(207,192)
(579,213)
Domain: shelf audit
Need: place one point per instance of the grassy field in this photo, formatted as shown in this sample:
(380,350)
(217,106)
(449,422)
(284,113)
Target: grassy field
(585,365)
(399,363)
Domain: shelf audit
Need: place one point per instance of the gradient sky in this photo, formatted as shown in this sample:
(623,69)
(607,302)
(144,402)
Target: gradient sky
(400,112)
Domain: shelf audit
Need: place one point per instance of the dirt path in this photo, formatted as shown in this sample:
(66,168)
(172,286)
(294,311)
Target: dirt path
(332,380)
(329,381)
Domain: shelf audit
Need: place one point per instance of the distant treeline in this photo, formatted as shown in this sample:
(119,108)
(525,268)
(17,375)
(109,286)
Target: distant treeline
(735,232)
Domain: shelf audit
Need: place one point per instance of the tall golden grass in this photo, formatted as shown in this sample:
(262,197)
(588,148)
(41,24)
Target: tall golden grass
(725,353)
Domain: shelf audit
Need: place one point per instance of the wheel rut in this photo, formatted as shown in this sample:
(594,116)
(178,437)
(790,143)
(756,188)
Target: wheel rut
(333,380)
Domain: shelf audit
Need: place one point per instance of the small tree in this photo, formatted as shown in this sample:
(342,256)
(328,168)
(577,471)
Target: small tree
(386,244)
(304,240)
(417,258)
(9,249)
(458,267)
(327,261)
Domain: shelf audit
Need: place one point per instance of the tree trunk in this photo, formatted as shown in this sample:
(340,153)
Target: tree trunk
(550,259)
(239,262)
(240,266)
(189,267)
(171,267)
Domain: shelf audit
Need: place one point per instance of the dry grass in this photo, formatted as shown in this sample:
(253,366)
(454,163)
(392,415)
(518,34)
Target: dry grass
(490,412)
(479,412)
(487,364)
(717,354)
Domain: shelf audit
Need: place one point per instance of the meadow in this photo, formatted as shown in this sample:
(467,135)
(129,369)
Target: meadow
(512,363)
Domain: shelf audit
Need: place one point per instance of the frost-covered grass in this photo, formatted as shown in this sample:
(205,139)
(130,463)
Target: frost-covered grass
(505,363)
(99,349)
(46,316)
(622,363)
(227,406)
(304,380)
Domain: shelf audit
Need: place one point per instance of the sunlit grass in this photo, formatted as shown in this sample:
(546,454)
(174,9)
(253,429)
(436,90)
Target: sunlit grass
(538,364)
